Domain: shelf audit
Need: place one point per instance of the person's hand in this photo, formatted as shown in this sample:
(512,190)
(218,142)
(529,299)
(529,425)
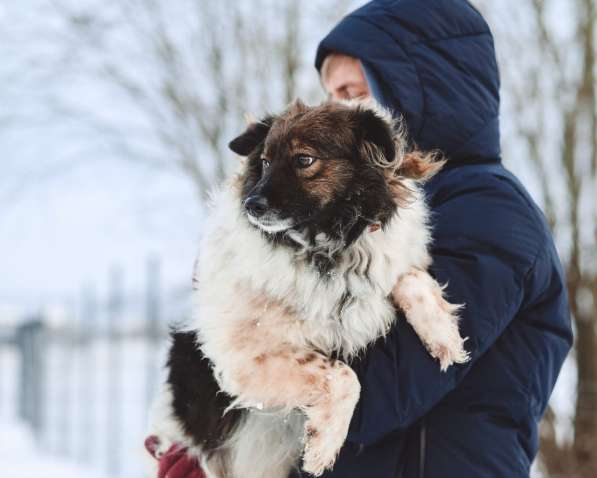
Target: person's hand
(175,463)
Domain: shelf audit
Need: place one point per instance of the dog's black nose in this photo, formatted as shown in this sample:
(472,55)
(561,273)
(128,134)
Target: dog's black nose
(256,205)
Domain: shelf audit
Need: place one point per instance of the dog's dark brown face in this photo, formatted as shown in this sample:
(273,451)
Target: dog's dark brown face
(321,171)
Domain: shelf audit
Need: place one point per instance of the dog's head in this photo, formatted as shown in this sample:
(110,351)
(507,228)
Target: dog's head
(335,169)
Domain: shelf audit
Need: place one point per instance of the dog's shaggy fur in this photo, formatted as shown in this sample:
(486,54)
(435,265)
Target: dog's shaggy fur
(306,253)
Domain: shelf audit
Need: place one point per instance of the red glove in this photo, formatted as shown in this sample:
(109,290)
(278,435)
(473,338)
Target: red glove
(175,463)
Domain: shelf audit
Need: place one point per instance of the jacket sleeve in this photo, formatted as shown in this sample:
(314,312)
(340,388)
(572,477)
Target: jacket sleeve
(487,237)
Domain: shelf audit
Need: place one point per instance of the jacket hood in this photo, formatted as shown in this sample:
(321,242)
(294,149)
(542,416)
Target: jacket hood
(433,62)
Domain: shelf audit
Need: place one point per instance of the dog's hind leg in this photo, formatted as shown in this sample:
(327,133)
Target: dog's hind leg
(433,318)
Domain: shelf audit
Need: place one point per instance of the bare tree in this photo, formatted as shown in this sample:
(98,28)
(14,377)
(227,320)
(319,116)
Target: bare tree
(186,70)
(547,57)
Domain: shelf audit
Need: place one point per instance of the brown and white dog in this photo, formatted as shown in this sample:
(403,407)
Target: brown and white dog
(306,253)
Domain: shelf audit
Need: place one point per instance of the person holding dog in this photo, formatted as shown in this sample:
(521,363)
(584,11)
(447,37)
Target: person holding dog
(432,63)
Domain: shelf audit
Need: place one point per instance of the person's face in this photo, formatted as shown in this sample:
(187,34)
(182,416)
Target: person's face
(343,78)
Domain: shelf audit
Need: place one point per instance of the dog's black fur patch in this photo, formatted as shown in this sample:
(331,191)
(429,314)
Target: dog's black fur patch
(198,402)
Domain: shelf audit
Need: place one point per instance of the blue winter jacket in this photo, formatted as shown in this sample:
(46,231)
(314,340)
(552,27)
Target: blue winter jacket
(433,62)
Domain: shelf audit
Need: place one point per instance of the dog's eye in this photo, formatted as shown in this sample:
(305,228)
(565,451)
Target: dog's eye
(265,163)
(304,161)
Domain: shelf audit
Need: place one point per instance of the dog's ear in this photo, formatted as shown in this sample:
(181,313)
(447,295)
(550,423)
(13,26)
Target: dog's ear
(420,166)
(252,137)
(297,106)
(376,135)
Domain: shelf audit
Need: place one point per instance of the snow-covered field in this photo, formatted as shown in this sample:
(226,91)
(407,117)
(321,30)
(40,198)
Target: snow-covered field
(21,458)
(94,411)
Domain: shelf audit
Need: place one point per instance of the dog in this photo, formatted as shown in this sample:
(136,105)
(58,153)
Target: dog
(307,252)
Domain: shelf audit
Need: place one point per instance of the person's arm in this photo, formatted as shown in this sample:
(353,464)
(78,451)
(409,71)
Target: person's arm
(487,240)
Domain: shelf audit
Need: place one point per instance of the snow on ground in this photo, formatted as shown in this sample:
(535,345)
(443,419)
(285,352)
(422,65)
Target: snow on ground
(94,411)
(21,458)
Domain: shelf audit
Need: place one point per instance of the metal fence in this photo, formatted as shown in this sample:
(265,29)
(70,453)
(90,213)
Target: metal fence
(84,384)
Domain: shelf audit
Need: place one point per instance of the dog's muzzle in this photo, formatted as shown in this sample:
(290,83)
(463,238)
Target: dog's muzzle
(262,216)
(256,205)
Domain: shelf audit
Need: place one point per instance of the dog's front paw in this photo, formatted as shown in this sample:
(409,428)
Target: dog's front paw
(320,454)
(446,345)
(434,319)
(327,426)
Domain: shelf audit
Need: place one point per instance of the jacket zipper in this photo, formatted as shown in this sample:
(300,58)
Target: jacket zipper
(422,452)
(422,449)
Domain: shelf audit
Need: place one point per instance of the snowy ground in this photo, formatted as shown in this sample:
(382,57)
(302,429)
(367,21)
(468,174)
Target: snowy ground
(21,458)
(94,412)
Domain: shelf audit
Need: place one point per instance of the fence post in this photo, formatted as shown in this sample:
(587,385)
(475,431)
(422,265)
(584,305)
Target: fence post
(31,342)
(63,347)
(152,326)
(87,372)
(115,316)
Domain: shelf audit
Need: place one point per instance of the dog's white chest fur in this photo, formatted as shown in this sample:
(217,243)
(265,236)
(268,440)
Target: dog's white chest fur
(343,310)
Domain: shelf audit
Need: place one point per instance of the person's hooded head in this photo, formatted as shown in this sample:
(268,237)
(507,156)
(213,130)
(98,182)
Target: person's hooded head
(431,62)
